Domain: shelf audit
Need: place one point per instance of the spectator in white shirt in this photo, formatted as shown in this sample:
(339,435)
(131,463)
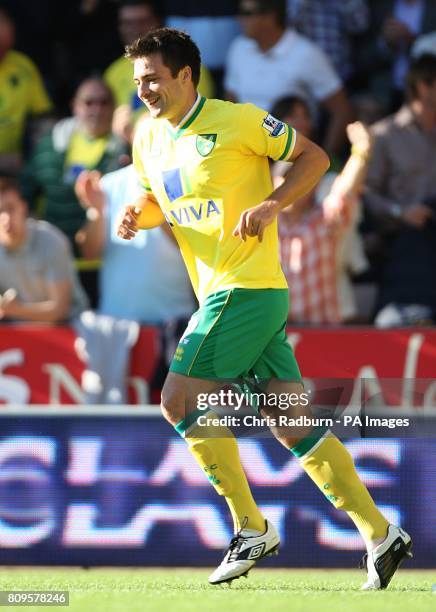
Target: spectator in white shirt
(270,62)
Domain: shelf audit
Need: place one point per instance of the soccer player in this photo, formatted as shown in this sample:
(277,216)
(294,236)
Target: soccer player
(205,164)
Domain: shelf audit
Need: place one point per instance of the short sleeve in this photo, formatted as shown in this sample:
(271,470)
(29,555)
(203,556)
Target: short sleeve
(138,164)
(264,135)
(39,100)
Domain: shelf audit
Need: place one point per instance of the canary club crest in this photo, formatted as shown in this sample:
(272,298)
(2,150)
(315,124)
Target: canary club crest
(205,143)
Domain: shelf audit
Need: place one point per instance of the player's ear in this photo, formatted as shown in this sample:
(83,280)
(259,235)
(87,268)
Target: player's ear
(186,74)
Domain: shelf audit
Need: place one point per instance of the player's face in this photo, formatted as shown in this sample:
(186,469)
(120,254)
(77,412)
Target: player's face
(12,219)
(136,21)
(164,96)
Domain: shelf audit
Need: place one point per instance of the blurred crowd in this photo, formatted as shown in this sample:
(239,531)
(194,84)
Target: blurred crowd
(357,76)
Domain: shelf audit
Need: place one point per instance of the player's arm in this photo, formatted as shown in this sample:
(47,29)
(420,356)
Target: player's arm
(145,213)
(309,163)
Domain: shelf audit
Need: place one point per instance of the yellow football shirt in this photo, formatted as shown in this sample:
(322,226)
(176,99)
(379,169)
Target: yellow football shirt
(204,175)
(119,77)
(22,93)
(84,153)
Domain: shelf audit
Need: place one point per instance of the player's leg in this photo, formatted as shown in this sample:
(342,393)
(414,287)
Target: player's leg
(213,447)
(329,464)
(222,340)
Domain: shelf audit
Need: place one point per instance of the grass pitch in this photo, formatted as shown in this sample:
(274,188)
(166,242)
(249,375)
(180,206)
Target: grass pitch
(187,590)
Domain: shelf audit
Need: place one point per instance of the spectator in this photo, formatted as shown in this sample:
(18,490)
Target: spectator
(401,193)
(136,18)
(35,30)
(319,245)
(149,268)
(383,56)
(270,62)
(37,277)
(212,25)
(331,25)
(22,94)
(83,141)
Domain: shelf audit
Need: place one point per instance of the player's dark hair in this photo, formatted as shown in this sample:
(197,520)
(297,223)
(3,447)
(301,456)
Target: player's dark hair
(177,49)
(286,105)
(421,70)
(277,7)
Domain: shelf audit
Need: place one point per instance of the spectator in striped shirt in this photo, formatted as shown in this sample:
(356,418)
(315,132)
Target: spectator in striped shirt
(319,244)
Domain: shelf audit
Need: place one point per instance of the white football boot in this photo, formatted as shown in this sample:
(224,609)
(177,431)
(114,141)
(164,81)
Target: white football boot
(382,562)
(244,552)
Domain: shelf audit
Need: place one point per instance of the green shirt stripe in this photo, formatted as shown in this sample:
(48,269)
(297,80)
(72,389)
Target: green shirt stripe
(289,142)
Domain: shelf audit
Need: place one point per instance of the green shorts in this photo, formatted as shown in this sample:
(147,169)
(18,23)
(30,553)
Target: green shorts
(240,333)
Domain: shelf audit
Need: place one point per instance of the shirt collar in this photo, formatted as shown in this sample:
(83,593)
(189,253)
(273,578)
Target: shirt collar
(189,114)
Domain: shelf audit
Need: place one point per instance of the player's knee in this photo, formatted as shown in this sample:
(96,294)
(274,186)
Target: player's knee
(172,405)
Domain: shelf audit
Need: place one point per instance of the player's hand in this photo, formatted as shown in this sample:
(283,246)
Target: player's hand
(417,215)
(88,190)
(254,220)
(128,222)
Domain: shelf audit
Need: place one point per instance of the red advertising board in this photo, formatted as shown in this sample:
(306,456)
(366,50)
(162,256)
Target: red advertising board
(39,364)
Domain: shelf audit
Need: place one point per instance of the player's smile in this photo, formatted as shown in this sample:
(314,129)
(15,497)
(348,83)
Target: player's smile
(151,102)
(162,93)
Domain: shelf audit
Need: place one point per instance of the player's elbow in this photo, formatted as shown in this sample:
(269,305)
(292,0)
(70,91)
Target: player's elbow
(325,161)
(321,160)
